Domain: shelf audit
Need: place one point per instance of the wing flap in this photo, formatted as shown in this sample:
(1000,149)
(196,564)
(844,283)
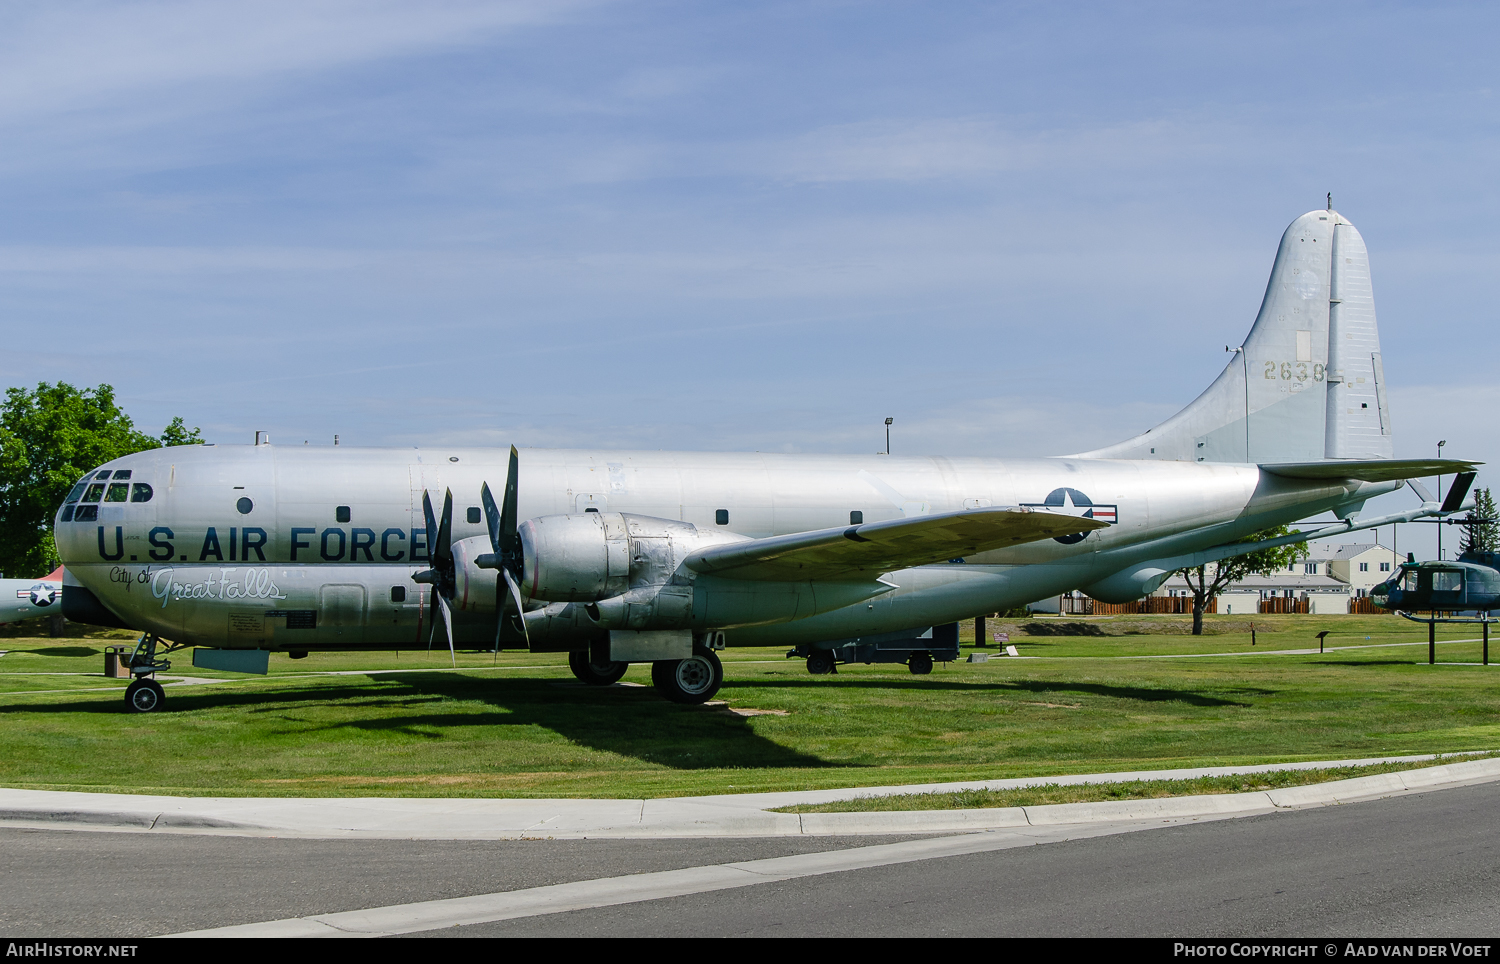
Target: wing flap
(877,547)
(1368,470)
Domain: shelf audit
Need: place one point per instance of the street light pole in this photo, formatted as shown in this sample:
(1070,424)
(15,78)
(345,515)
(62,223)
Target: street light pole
(1440,495)
(888,435)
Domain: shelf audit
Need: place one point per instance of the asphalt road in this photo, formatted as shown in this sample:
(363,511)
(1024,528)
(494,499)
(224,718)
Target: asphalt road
(1420,865)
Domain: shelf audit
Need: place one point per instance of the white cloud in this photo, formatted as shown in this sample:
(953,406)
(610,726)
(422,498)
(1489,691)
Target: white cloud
(60,57)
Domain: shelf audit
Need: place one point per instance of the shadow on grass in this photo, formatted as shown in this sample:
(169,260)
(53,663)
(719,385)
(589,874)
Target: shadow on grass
(63,651)
(1062,629)
(1140,693)
(627,721)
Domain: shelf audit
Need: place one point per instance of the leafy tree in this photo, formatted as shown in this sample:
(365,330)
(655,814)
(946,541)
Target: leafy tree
(48,438)
(1209,580)
(1481,528)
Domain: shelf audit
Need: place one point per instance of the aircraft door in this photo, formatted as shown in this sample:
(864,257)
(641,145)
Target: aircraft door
(341,614)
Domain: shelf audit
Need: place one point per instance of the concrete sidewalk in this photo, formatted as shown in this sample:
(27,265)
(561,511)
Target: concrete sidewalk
(731,815)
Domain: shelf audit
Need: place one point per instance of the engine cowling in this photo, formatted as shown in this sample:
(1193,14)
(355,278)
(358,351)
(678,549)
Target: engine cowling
(602,555)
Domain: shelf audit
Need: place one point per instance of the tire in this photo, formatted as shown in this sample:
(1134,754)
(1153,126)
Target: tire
(821,662)
(144,696)
(605,673)
(920,664)
(692,680)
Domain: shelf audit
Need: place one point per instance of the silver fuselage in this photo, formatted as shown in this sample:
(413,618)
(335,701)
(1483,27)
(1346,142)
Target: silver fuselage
(197,565)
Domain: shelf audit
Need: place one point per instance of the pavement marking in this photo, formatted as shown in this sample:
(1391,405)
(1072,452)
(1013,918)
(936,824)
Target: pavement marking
(634,888)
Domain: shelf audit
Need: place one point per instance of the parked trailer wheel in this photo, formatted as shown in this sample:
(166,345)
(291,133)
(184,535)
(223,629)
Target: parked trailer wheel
(144,696)
(692,680)
(601,673)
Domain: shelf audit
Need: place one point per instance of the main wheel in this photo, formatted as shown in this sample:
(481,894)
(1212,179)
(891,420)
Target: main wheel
(595,674)
(692,680)
(144,696)
(821,662)
(920,664)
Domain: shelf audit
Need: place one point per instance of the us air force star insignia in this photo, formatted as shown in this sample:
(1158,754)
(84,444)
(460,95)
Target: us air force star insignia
(1074,503)
(41,595)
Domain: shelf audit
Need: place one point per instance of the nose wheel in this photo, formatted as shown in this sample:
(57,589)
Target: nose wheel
(144,696)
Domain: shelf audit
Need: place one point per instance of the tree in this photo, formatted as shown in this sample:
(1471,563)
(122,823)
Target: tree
(1214,577)
(1481,528)
(48,438)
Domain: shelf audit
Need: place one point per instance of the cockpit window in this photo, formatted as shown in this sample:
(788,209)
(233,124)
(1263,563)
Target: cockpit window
(95,491)
(118,492)
(140,492)
(102,475)
(77,492)
(122,473)
(1409,580)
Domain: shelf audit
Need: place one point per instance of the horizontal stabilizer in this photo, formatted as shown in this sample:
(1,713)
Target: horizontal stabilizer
(1460,489)
(1368,470)
(880,547)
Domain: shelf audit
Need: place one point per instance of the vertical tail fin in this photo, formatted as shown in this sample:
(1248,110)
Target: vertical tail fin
(1307,384)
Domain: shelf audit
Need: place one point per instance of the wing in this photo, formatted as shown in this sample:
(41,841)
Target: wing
(1369,470)
(868,550)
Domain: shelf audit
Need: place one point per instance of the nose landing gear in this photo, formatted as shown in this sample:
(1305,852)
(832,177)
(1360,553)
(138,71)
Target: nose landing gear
(145,695)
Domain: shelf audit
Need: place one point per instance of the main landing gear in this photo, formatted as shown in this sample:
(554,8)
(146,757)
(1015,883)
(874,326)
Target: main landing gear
(145,695)
(595,672)
(692,680)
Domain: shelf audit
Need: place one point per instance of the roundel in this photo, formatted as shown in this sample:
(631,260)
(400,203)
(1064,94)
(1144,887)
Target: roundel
(1069,498)
(43,595)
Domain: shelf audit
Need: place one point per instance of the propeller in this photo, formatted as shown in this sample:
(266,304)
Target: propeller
(506,543)
(441,576)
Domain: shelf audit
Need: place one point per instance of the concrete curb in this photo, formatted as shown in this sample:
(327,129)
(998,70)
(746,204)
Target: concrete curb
(402,818)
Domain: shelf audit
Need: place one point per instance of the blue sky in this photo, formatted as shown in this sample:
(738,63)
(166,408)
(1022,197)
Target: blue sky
(1019,229)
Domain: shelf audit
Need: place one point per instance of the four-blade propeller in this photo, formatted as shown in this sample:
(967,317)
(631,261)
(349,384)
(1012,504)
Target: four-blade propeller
(505,542)
(506,557)
(441,577)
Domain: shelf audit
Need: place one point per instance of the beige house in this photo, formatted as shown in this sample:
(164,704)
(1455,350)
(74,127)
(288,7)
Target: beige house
(1327,579)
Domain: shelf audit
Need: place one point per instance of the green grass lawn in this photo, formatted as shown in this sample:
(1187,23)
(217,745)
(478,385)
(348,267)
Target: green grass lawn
(404,724)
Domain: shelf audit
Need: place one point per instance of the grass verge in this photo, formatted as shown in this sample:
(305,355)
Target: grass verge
(516,724)
(1104,792)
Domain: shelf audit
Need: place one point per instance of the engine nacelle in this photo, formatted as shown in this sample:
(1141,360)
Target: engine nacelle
(1130,584)
(474,588)
(602,555)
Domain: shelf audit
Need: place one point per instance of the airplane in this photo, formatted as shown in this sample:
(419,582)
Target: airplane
(620,557)
(29,598)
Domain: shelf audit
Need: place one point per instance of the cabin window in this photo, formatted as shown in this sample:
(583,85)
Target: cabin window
(243,506)
(398,594)
(473,515)
(341,513)
(721,517)
(94,494)
(1446,580)
(122,473)
(77,492)
(856,518)
(118,492)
